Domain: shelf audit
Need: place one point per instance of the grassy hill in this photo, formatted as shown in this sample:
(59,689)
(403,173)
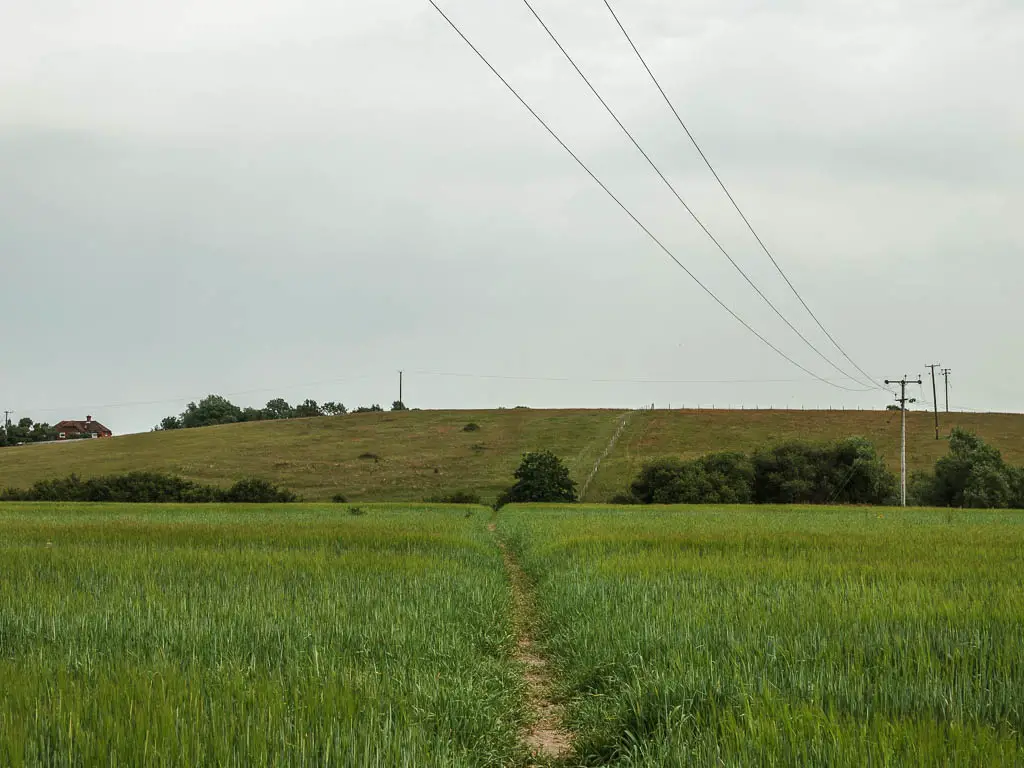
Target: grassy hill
(411,455)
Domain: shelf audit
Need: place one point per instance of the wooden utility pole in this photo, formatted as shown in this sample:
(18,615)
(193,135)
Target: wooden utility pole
(935,399)
(945,375)
(400,374)
(903,400)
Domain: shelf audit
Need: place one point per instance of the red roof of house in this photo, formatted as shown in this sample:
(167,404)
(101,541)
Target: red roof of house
(88,426)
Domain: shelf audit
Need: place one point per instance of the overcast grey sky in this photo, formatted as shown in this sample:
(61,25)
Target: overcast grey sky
(300,197)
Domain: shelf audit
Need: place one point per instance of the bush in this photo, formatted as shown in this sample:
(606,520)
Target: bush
(845,472)
(458,497)
(339,498)
(255,491)
(541,477)
(148,488)
(471,427)
(718,478)
(369,457)
(973,474)
(356,511)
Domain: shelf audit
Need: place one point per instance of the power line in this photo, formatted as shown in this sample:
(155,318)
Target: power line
(735,205)
(678,197)
(935,398)
(575,380)
(626,210)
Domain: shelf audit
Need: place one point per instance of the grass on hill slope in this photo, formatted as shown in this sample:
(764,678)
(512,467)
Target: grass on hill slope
(423,453)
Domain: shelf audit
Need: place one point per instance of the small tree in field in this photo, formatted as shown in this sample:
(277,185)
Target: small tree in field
(541,477)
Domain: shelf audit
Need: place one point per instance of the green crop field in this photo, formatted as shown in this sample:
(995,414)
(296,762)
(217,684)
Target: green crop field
(254,637)
(713,636)
(305,634)
(410,456)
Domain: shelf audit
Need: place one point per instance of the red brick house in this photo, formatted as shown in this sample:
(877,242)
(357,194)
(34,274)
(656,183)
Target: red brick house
(71,429)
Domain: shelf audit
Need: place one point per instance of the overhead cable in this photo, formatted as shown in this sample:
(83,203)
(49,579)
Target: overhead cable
(627,211)
(735,205)
(678,197)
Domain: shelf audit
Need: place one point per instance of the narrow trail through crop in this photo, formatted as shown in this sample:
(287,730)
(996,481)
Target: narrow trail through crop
(546,737)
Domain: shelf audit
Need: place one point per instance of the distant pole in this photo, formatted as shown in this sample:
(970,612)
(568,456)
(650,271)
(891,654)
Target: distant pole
(935,399)
(945,374)
(400,388)
(903,400)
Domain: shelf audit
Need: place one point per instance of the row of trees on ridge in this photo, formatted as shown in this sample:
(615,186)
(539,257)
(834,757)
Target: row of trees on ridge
(215,409)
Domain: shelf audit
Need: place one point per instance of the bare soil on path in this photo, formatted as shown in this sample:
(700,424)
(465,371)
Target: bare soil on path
(546,737)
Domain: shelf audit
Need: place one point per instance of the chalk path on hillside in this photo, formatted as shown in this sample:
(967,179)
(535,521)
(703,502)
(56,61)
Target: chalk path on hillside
(546,737)
(623,423)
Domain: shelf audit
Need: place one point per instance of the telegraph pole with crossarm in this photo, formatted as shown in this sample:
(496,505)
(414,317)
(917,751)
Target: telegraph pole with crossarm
(945,375)
(935,399)
(903,400)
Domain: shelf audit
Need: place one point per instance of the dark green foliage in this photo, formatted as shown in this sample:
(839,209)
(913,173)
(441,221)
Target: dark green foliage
(398,405)
(148,488)
(339,498)
(973,474)
(215,409)
(27,431)
(253,490)
(458,497)
(541,477)
(251,414)
(308,409)
(211,410)
(368,409)
(356,511)
(369,457)
(278,408)
(471,427)
(718,478)
(844,472)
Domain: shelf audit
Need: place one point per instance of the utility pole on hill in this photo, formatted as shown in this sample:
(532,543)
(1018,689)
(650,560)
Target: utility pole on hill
(400,374)
(945,374)
(903,400)
(935,399)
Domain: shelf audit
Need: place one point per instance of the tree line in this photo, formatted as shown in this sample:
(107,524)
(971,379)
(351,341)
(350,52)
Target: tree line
(972,475)
(149,488)
(28,431)
(215,409)
(850,471)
